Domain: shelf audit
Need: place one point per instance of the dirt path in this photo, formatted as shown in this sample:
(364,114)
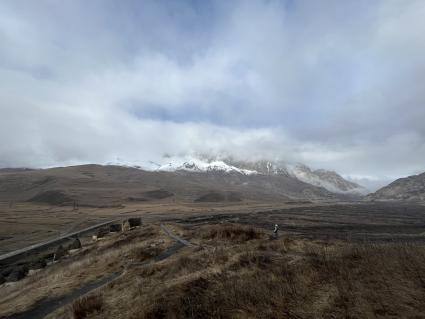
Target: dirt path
(47,306)
(175,237)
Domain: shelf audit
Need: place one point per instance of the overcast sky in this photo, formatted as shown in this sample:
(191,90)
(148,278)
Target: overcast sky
(334,84)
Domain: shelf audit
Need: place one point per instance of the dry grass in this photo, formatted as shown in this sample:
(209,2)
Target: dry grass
(94,262)
(85,306)
(364,282)
(230,232)
(237,272)
(258,278)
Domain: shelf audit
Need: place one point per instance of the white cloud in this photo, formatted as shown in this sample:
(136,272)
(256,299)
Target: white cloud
(333,84)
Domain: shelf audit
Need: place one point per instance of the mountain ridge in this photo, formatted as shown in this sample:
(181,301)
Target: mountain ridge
(330,180)
(410,188)
(100,186)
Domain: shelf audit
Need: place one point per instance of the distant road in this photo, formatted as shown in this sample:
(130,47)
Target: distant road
(17,253)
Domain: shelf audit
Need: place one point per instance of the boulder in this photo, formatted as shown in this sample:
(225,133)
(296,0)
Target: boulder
(49,256)
(135,222)
(59,253)
(102,232)
(115,228)
(38,264)
(74,244)
(5,272)
(17,273)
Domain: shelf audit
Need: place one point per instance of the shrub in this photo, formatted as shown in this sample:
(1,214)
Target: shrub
(82,307)
(232,232)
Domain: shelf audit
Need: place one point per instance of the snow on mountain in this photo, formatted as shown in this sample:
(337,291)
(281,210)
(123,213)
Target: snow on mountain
(327,179)
(198,165)
(186,163)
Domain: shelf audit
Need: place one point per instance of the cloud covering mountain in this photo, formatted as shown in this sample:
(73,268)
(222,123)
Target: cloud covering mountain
(332,84)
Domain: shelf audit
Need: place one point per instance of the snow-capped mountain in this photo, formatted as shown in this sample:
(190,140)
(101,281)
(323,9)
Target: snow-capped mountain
(329,180)
(198,165)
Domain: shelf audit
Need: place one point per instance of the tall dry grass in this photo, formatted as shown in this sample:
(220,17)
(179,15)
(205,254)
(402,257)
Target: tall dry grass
(83,307)
(258,278)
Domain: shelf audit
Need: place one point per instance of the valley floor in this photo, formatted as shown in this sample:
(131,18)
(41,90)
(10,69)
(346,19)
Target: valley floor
(329,261)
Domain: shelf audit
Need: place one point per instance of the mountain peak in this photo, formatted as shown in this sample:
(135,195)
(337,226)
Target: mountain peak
(329,180)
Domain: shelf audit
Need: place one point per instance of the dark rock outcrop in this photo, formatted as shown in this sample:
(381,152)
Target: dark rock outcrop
(17,273)
(102,232)
(115,228)
(59,253)
(38,264)
(135,221)
(75,244)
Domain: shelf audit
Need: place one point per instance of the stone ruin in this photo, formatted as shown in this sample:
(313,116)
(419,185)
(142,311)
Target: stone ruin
(101,232)
(59,253)
(14,273)
(131,223)
(17,272)
(135,222)
(62,250)
(38,264)
(115,228)
(74,244)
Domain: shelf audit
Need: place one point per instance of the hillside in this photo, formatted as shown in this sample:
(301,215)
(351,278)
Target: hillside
(329,180)
(229,271)
(96,185)
(411,188)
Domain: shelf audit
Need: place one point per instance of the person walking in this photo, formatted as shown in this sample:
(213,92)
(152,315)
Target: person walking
(276,229)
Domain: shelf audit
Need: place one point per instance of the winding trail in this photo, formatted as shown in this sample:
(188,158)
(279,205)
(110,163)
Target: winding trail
(175,237)
(46,306)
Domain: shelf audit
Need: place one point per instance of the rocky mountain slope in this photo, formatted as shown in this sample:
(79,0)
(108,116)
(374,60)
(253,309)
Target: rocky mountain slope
(327,179)
(97,185)
(410,188)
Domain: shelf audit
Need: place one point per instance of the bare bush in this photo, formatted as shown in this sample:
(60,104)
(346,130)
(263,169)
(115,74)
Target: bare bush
(84,306)
(232,232)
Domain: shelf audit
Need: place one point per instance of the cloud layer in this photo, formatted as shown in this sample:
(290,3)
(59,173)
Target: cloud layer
(333,84)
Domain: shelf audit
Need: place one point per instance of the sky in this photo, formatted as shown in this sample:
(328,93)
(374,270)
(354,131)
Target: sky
(332,84)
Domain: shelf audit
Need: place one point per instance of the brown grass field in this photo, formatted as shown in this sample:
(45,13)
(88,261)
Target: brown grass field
(23,224)
(330,261)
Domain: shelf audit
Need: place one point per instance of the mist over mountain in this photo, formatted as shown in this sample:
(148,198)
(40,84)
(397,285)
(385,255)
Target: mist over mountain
(329,85)
(329,180)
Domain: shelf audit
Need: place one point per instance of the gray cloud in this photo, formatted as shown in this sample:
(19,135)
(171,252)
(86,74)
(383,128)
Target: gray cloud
(332,84)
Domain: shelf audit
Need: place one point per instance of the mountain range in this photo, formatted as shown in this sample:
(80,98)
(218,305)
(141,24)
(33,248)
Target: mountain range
(194,179)
(329,180)
(189,181)
(411,188)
